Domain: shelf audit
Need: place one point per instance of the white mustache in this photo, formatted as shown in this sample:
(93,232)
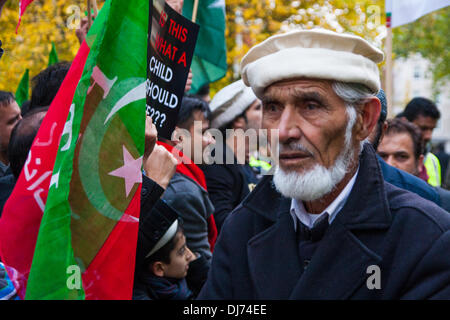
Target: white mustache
(294,146)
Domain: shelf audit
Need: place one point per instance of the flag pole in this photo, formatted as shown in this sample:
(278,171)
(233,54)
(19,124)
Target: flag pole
(194,11)
(89,14)
(388,48)
(94,2)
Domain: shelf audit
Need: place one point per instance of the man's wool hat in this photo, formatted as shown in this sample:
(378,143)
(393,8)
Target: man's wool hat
(230,102)
(315,54)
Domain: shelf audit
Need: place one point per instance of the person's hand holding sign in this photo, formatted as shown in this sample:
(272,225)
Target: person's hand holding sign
(160,166)
(151,135)
(189,81)
(176,5)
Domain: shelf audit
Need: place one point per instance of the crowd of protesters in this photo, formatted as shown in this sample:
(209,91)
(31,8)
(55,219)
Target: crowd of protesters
(350,188)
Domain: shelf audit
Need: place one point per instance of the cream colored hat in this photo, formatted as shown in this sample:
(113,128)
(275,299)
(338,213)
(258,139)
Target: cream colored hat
(230,102)
(316,54)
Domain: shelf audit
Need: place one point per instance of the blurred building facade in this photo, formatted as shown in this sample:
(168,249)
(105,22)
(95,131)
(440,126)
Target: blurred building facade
(412,78)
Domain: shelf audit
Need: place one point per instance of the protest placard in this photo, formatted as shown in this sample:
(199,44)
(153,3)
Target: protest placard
(171,45)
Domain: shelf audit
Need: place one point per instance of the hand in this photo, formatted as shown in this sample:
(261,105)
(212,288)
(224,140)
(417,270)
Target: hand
(83,30)
(176,5)
(160,166)
(151,135)
(188,82)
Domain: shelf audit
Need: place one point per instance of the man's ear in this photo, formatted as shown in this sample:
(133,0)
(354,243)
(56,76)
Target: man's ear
(157,268)
(419,163)
(368,118)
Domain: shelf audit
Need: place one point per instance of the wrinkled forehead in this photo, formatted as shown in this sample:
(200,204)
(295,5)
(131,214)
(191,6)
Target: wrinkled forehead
(300,89)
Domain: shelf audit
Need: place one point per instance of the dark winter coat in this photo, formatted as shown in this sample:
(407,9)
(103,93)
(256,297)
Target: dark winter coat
(406,236)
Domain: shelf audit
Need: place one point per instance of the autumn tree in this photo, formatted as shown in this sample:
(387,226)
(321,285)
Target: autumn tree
(43,22)
(428,36)
(252,21)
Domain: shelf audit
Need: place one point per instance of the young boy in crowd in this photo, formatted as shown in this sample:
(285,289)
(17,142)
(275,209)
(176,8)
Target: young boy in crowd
(166,259)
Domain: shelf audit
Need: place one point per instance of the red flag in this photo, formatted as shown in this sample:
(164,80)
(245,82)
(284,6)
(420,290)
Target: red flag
(22,213)
(23,4)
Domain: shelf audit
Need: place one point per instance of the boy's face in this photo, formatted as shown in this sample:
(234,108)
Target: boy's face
(180,257)
(198,138)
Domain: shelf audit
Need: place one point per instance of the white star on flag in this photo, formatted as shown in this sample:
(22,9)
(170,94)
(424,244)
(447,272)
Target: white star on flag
(130,171)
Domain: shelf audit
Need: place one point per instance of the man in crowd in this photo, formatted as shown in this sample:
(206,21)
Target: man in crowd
(9,116)
(187,192)
(391,174)
(326,225)
(425,114)
(22,137)
(232,180)
(402,147)
(46,84)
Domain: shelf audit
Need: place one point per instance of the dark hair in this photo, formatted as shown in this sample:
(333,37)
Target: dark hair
(204,90)
(22,137)
(377,138)
(46,84)
(25,107)
(229,125)
(421,107)
(6,98)
(396,126)
(186,113)
(163,254)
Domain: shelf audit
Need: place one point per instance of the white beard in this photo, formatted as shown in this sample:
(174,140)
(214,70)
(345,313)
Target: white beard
(318,181)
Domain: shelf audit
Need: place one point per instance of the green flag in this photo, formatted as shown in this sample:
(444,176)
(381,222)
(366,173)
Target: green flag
(23,89)
(210,58)
(53,56)
(90,222)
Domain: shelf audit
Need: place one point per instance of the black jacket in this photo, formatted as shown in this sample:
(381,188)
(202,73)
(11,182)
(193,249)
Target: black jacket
(406,236)
(228,185)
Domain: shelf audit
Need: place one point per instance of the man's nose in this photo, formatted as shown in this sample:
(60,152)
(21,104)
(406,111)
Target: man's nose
(288,126)
(427,134)
(391,161)
(209,138)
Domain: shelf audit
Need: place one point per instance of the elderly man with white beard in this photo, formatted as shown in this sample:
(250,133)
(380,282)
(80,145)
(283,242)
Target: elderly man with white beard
(326,225)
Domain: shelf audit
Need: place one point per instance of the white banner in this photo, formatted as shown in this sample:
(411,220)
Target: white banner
(406,11)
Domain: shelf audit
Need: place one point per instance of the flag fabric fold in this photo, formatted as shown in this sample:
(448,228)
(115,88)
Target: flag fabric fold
(406,11)
(23,4)
(23,89)
(209,63)
(53,56)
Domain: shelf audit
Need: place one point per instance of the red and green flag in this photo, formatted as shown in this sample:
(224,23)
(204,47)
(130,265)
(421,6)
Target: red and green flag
(23,89)
(90,221)
(209,63)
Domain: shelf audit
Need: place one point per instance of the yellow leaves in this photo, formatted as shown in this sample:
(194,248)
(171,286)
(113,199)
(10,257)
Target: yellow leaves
(263,18)
(44,21)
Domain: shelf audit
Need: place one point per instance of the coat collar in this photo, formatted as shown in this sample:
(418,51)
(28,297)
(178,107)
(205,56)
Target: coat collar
(340,262)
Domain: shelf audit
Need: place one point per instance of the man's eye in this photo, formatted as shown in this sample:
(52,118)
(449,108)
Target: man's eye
(312,106)
(270,108)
